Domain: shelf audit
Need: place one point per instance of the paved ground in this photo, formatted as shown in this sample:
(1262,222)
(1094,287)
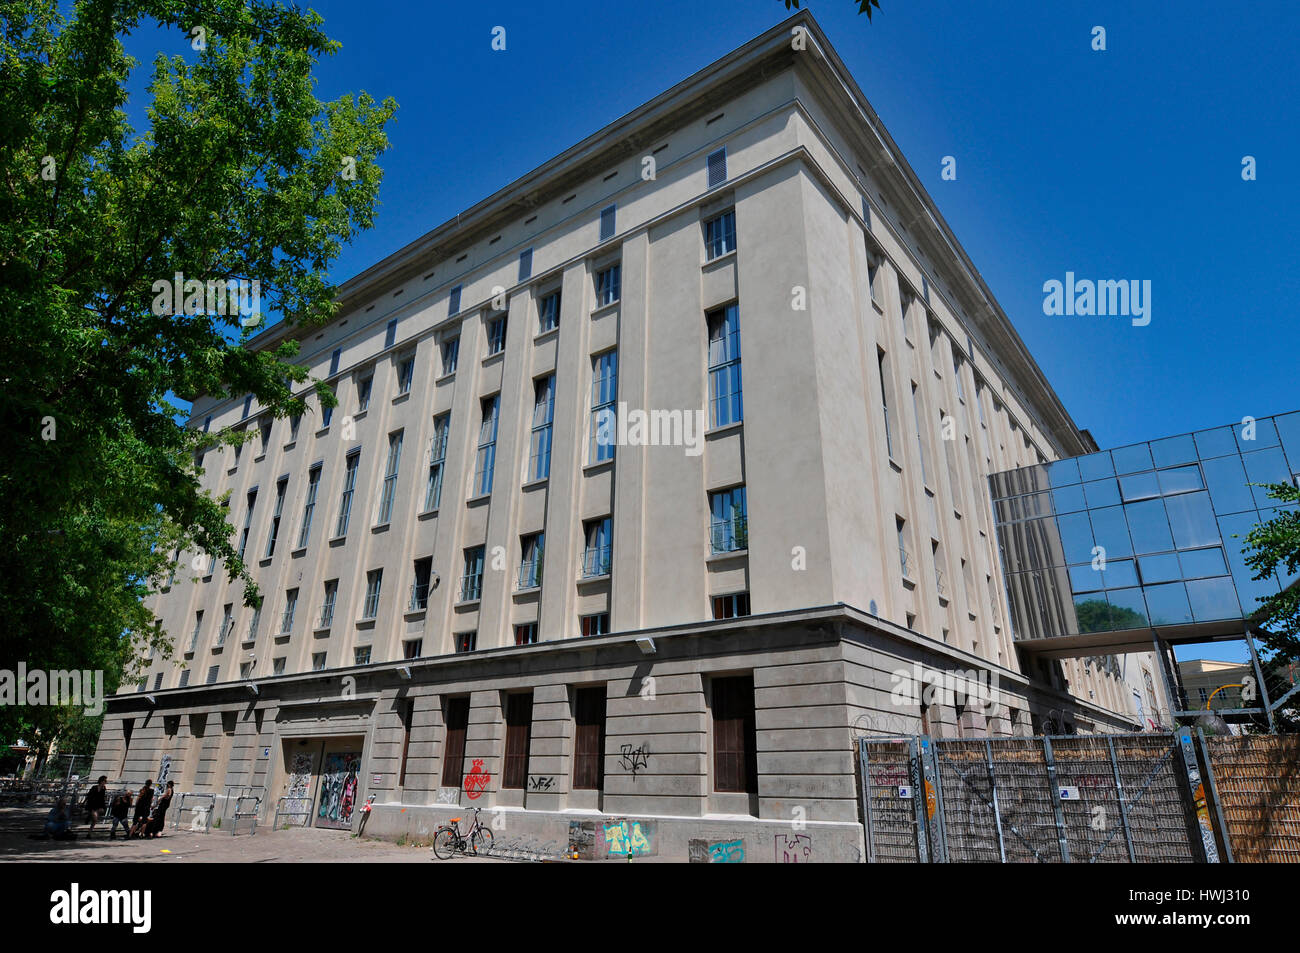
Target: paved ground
(313,845)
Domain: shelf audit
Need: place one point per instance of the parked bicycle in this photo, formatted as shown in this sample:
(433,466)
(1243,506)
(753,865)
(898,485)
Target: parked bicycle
(447,840)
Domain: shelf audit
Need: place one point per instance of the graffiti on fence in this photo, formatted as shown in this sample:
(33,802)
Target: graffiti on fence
(629,838)
(476,782)
(633,759)
(794,848)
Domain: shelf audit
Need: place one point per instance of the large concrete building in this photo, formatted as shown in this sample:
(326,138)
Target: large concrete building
(544,559)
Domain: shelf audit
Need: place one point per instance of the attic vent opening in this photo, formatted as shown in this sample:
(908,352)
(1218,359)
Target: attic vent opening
(398,292)
(659,150)
(495,240)
(428,276)
(715,119)
(717,164)
(370,308)
(610,176)
(462,258)
(607,223)
(570,199)
(530,220)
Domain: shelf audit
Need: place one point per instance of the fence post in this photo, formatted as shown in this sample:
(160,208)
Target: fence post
(997,808)
(922,828)
(1056,800)
(1119,795)
(1213,793)
(1183,739)
(865,767)
(933,800)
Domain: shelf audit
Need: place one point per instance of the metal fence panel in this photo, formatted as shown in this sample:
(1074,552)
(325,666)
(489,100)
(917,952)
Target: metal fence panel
(890,788)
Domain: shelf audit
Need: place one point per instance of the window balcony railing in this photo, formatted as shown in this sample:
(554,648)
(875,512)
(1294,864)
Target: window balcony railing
(326,616)
(729,536)
(224,631)
(530,573)
(419,597)
(471,587)
(939,583)
(596,561)
(286,622)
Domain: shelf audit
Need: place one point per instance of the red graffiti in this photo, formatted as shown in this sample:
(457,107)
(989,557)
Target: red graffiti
(476,781)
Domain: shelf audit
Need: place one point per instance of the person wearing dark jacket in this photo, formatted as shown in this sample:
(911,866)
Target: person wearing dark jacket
(143,802)
(96,801)
(118,814)
(159,818)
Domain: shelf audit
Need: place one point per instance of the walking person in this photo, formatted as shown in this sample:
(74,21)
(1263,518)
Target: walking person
(159,818)
(96,802)
(143,801)
(118,814)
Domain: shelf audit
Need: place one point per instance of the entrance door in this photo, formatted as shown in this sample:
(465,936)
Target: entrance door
(338,789)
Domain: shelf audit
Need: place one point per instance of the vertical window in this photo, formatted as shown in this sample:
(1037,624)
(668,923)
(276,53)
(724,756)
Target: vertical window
(374,582)
(437,460)
(363,392)
(212,673)
(405,374)
(185,677)
(390,478)
(408,719)
(420,587)
(548,313)
(453,302)
(390,334)
(280,487)
(526,634)
(157,681)
(411,648)
(277,665)
(326,415)
(345,500)
(327,607)
(496,335)
(471,582)
(455,715)
(264,429)
(227,620)
(248,521)
(920,439)
(309,507)
(485,463)
(539,461)
(361,655)
(720,235)
(732,606)
(717,167)
(239,449)
(334,361)
(525,264)
(248,406)
(607,222)
(884,403)
(450,354)
(318,661)
(903,560)
(608,285)
(290,609)
(198,626)
(604,416)
(294,423)
(589,739)
(873,270)
(530,564)
(207,422)
(905,305)
(252,625)
(597,556)
(729,528)
(519,731)
(957,377)
(735,747)
(466,641)
(725,403)
(595,624)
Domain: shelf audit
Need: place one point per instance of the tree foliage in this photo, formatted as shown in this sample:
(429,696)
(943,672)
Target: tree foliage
(239,173)
(1273,548)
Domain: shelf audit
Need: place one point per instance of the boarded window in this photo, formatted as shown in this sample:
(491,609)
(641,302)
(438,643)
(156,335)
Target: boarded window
(607,223)
(456,716)
(717,163)
(589,739)
(735,763)
(519,730)
(525,264)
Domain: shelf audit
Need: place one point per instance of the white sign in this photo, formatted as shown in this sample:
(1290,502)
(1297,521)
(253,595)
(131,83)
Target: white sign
(904,791)
(1069,794)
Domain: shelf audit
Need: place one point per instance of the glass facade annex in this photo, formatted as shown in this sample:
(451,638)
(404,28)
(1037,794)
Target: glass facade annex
(1098,550)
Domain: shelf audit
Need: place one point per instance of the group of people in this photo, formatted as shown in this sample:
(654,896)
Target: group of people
(148,821)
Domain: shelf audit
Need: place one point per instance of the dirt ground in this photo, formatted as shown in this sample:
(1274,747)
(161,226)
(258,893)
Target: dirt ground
(299,845)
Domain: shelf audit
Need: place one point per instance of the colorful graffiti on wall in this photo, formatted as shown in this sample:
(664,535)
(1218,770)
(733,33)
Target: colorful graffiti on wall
(629,838)
(338,789)
(476,782)
(298,796)
(700,851)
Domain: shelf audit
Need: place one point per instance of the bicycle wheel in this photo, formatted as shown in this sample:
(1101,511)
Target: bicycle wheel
(481,841)
(444,843)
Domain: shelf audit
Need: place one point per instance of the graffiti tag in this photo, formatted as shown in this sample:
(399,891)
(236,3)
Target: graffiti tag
(634,759)
(793,849)
(476,781)
(536,783)
(626,839)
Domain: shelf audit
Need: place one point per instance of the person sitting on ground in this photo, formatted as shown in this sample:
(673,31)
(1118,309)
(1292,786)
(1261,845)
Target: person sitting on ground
(159,818)
(118,814)
(143,801)
(95,802)
(56,822)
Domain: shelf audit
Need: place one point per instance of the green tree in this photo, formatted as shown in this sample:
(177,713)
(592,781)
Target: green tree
(864,6)
(240,173)
(1273,549)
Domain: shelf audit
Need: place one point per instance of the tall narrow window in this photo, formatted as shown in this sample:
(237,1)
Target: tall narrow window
(248,521)
(295,422)
(873,271)
(717,167)
(248,406)
(254,622)
(437,461)
(450,355)
(309,507)
(519,731)
(281,487)
(609,285)
(390,334)
(408,719)
(485,462)
(334,361)
(729,529)
(720,235)
(227,620)
(455,716)
(725,404)
(539,460)
(884,402)
(374,581)
(525,264)
(471,582)
(420,587)
(327,607)
(496,335)
(345,500)
(903,559)
(405,374)
(589,739)
(735,746)
(390,478)
(364,386)
(548,312)
(290,609)
(920,439)
(198,626)
(604,397)
(957,377)
(453,301)
(326,415)
(264,433)
(530,564)
(607,222)
(597,556)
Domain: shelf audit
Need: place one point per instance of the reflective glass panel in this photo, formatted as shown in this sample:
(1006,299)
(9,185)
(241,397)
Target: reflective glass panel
(1192,520)
(1173,450)
(1213,600)
(1085,579)
(1181,480)
(1162,568)
(1288,429)
(1063,472)
(1148,527)
(1265,466)
(1035,504)
(1092,612)
(1139,486)
(1120,573)
(1110,531)
(1095,466)
(1167,604)
(1132,459)
(1265,435)
(1127,609)
(1076,537)
(1101,493)
(1226,480)
(1199,563)
(1218,442)
(1068,499)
